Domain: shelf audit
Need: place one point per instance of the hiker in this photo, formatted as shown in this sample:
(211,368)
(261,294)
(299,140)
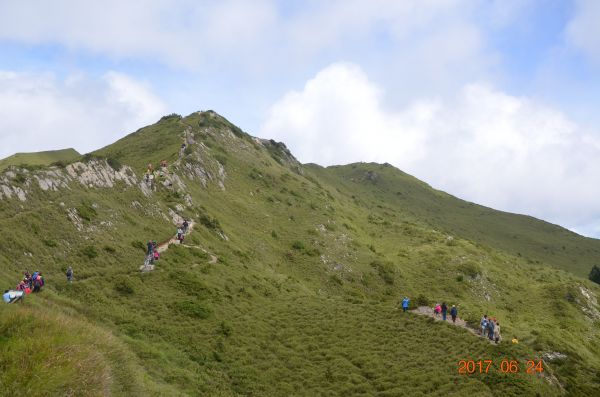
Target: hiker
(150,246)
(490,329)
(497,336)
(156,256)
(38,282)
(13,296)
(453,313)
(180,235)
(70,274)
(437,309)
(24,286)
(27,278)
(185,226)
(444,311)
(405,303)
(483,324)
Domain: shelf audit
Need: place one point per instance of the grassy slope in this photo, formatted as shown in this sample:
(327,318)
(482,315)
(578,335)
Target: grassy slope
(519,235)
(302,301)
(40,158)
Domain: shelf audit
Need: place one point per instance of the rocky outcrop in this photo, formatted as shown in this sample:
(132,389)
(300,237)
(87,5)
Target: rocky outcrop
(98,173)
(19,182)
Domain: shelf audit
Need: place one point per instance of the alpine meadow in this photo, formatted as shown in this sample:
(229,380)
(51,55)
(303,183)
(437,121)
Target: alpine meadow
(289,283)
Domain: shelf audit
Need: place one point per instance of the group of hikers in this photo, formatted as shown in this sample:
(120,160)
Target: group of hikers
(30,283)
(152,253)
(443,310)
(490,328)
(151,175)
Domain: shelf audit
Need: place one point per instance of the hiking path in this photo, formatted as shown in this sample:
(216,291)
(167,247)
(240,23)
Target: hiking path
(162,247)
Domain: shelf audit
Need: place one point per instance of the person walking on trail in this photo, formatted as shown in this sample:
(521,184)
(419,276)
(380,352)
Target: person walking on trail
(444,311)
(497,336)
(483,324)
(185,226)
(490,329)
(437,309)
(150,246)
(405,303)
(180,235)
(70,274)
(453,313)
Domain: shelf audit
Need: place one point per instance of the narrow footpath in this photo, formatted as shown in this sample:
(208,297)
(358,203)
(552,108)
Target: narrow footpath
(148,267)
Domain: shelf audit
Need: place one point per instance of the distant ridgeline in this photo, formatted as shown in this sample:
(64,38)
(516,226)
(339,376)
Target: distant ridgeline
(40,158)
(290,282)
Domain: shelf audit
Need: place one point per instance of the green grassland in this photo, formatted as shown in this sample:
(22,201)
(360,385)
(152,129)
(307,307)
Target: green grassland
(40,158)
(303,300)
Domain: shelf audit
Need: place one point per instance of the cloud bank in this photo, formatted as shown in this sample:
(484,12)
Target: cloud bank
(483,145)
(41,112)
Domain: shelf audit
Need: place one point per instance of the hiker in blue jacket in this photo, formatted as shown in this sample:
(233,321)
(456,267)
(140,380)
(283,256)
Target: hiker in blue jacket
(453,313)
(405,303)
(483,324)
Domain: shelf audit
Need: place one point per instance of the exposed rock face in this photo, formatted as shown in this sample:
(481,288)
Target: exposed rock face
(590,305)
(100,174)
(19,183)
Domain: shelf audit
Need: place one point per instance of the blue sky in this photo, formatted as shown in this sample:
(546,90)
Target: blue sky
(494,101)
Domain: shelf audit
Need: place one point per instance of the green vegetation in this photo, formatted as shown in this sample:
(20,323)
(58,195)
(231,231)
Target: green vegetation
(595,274)
(33,160)
(302,297)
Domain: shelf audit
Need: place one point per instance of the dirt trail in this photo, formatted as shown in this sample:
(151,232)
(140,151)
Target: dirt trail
(173,240)
(428,311)
(148,267)
(213,258)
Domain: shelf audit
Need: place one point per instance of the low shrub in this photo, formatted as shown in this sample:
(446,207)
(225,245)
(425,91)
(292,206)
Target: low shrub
(89,252)
(298,245)
(87,212)
(422,300)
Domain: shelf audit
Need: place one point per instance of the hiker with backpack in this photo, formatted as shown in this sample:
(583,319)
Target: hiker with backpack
(405,303)
(483,325)
(38,281)
(453,313)
(70,274)
(186,225)
(444,311)
(437,309)
(497,336)
(180,235)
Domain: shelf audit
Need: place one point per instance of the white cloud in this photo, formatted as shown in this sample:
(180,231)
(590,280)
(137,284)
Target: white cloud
(42,112)
(192,34)
(482,145)
(583,31)
(182,33)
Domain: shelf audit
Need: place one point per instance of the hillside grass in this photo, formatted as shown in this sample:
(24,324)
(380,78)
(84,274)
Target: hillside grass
(537,241)
(38,159)
(303,298)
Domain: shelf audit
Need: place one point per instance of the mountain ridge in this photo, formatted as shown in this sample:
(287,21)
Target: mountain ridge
(302,299)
